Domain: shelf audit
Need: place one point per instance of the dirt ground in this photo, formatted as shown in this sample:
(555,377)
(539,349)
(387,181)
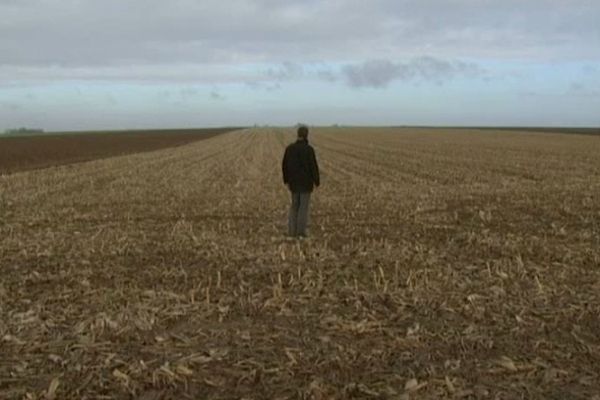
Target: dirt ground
(440,264)
(20,153)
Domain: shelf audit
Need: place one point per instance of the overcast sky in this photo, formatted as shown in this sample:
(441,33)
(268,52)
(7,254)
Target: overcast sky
(110,64)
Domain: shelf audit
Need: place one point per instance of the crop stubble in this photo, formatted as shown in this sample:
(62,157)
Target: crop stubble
(452,264)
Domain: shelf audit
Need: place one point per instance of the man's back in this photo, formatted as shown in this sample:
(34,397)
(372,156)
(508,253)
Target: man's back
(300,168)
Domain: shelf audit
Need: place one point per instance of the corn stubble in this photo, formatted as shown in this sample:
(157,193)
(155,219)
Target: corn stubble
(440,265)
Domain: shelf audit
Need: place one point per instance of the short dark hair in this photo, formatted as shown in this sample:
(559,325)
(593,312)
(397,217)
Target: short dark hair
(303,131)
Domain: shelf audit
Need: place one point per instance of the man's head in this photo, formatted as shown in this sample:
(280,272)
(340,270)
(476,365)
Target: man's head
(303,132)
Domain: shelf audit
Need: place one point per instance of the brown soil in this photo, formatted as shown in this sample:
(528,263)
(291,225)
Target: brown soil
(21,153)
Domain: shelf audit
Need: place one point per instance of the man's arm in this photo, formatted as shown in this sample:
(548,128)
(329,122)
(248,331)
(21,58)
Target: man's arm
(284,167)
(314,168)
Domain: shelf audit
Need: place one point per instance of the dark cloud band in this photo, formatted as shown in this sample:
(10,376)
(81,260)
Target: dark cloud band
(380,73)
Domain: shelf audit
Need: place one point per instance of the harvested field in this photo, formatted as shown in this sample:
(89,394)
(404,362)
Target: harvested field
(19,153)
(441,264)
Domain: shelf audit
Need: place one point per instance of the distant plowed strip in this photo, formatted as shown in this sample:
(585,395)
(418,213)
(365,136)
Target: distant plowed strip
(34,152)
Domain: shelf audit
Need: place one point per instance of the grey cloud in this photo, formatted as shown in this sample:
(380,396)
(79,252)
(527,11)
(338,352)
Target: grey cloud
(175,72)
(138,32)
(380,73)
(374,73)
(576,87)
(273,87)
(327,75)
(11,106)
(188,92)
(287,71)
(215,95)
(581,89)
(266,86)
(530,93)
(22,76)
(164,94)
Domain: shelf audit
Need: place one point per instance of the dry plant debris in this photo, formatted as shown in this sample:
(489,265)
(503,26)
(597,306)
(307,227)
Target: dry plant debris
(441,264)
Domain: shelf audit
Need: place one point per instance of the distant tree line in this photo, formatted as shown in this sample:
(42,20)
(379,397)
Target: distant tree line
(23,131)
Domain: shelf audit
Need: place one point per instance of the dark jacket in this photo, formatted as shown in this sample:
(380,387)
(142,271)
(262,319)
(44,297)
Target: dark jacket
(300,168)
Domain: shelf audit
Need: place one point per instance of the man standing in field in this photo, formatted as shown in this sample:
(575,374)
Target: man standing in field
(301,175)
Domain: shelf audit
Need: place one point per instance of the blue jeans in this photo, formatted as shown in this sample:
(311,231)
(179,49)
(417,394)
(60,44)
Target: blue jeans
(298,218)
